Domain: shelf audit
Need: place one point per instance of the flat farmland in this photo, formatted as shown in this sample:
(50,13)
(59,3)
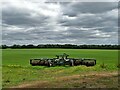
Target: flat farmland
(17,72)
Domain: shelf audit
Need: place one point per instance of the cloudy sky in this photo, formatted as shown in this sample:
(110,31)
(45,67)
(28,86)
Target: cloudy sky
(28,22)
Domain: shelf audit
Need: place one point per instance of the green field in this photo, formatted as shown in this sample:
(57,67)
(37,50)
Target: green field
(17,70)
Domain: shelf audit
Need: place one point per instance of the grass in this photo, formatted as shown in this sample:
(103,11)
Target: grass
(17,70)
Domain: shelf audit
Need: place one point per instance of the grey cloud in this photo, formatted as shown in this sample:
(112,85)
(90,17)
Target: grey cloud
(22,17)
(90,21)
(77,23)
(88,7)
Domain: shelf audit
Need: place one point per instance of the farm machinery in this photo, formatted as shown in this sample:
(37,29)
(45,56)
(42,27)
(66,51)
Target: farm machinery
(62,60)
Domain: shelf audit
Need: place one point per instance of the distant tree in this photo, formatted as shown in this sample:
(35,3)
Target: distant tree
(23,46)
(15,46)
(4,46)
(65,46)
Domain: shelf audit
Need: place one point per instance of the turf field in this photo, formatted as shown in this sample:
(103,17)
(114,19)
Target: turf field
(17,72)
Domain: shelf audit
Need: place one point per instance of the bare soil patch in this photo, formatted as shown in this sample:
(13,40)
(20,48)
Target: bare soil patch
(86,80)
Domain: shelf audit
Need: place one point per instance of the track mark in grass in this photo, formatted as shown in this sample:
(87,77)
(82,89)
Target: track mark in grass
(33,84)
(67,78)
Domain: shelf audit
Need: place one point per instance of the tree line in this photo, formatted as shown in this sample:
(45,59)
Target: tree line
(65,46)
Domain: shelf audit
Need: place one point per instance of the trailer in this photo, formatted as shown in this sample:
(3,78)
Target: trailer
(62,60)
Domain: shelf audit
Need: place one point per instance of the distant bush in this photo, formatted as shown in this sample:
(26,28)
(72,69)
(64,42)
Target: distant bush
(118,65)
(7,81)
(103,65)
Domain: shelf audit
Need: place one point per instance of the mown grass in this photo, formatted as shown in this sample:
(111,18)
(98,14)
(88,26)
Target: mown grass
(16,68)
(22,56)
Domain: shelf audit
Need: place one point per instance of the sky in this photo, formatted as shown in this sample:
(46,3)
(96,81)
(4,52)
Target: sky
(28,22)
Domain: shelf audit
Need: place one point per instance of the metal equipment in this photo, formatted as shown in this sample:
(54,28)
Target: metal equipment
(62,60)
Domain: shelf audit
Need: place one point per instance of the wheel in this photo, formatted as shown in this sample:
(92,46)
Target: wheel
(46,63)
(42,63)
(77,62)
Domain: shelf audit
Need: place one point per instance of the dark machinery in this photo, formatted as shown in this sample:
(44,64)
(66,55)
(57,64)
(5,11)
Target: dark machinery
(62,60)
